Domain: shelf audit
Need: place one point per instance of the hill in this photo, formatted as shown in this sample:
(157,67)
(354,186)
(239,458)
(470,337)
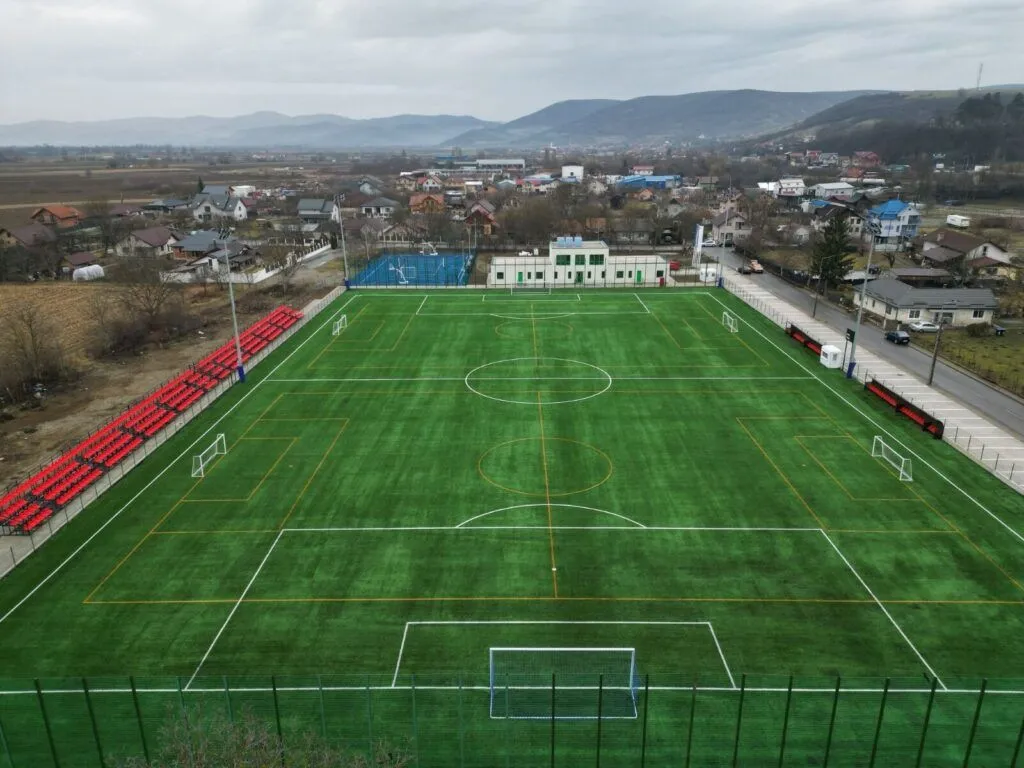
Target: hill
(550,118)
(259,129)
(655,119)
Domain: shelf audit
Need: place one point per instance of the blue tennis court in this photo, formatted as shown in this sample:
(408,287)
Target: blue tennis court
(408,268)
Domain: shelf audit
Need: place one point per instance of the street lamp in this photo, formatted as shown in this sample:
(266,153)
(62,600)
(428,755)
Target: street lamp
(224,234)
(874,228)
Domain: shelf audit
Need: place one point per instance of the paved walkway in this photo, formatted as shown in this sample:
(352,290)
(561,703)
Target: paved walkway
(998,451)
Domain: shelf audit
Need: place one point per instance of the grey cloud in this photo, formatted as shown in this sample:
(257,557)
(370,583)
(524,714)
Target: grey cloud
(67,59)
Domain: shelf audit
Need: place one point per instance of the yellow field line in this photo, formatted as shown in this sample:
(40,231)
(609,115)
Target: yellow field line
(737,336)
(785,479)
(333,339)
(309,481)
(800,441)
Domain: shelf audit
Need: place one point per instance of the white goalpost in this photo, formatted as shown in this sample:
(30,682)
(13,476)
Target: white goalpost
(200,461)
(563,683)
(339,325)
(729,321)
(880,450)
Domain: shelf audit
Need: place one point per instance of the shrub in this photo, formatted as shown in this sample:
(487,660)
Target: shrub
(977,330)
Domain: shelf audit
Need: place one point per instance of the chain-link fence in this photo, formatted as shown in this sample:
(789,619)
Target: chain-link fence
(451,722)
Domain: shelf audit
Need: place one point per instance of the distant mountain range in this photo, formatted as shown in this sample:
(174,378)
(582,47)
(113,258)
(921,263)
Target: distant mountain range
(649,120)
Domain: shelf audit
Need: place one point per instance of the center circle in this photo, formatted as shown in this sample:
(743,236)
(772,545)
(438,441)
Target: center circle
(550,467)
(522,380)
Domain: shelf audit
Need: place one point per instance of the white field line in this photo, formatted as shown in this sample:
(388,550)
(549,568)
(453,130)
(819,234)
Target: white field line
(401,650)
(162,472)
(888,615)
(870,420)
(564,506)
(428,379)
(646,308)
(637,527)
(422,303)
(732,680)
(234,609)
(486,688)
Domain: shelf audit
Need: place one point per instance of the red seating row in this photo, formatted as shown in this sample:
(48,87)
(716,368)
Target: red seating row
(31,503)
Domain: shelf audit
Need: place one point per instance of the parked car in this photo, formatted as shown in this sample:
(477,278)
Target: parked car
(898,337)
(744,269)
(755,267)
(709,243)
(923,326)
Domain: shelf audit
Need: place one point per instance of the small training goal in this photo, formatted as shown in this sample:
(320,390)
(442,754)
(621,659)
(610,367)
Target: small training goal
(339,325)
(899,462)
(730,322)
(563,683)
(201,461)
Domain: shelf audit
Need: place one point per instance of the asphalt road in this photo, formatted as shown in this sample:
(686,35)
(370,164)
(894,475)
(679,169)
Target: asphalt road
(998,407)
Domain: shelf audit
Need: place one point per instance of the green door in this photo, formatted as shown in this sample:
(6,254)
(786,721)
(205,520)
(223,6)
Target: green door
(519,278)
(579,278)
(639,277)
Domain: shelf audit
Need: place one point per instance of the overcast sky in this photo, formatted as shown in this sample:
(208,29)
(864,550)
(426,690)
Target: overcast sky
(495,59)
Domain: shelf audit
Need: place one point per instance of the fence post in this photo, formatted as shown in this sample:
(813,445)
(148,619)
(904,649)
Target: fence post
(92,722)
(227,701)
(138,716)
(739,721)
(323,715)
(785,722)
(689,733)
(46,724)
(5,745)
(974,725)
(832,723)
(927,719)
(277,718)
(552,720)
(415,724)
(878,725)
(643,728)
(369,719)
(600,696)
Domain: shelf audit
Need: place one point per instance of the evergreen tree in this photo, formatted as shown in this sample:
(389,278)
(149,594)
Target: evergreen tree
(830,259)
(199,185)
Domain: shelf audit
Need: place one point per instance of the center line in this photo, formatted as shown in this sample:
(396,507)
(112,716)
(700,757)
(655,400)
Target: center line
(547,493)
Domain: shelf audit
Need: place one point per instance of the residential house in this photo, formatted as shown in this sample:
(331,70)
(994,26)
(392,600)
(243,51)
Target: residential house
(813,157)
(371,185)
(572,172)
(431,184)
(454,196)
(833,190)
(792,188)
(150,243)
(893,225)
(78,259)
(60,216)
(219,190)
(853,175)
(212,208)
(170,205)
(406,232)
(635,232)
(866,160)
(728,226)
(201,243)
(507,185)
(27,236)
(481,217)
(406,184)
(944,247)
(641,170)
(318,211)
(427,203)
(829,159)
(795,158)
(379,208)
(124,211)
(821,215)
(893,300)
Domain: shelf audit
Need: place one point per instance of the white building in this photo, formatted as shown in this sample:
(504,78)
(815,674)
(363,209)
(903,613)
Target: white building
(508,164)
(892,300)
(838,190)
(574,261)
(791,188)
(572,172)
(209,208)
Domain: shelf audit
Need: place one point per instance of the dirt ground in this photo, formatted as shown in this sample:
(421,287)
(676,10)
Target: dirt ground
(36,434)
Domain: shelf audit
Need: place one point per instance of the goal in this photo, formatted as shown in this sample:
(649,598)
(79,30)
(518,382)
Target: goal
(523,288)
(729,321)
(563,683)
(339,325)
(900,463)
(202,460)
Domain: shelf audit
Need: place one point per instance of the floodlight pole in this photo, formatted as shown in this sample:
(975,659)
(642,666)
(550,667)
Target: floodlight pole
(234,315)
(860,310)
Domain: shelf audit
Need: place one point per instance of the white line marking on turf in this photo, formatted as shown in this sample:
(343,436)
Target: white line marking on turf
(422,303)
(428,379)
(401,650)
(884,610)
(875,424)
(235,608)
(569,506)
(656,528)
(732,680)
(646,308)
(162,472)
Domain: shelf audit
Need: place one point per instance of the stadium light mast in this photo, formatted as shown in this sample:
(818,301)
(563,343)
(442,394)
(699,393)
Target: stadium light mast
(874,228)
(224,234)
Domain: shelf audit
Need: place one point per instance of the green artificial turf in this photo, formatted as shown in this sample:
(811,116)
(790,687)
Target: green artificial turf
(458,471)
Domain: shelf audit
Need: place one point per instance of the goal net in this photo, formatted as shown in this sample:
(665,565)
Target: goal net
(201,461)
(730,322)
(563,683)
(880,450)
(339,325)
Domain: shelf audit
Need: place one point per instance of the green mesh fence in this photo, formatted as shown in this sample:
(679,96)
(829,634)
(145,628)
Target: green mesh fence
(763,721)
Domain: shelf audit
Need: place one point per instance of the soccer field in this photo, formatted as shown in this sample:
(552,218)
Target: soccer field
(460,471)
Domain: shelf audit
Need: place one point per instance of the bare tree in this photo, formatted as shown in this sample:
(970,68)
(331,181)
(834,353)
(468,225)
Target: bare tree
(143,294)
(112,228)
(34,352)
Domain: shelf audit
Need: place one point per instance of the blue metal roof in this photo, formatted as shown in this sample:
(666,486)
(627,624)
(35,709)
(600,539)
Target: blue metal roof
(890,209)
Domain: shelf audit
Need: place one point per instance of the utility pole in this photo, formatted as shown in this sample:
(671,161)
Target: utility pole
(872,227)
(935,354)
